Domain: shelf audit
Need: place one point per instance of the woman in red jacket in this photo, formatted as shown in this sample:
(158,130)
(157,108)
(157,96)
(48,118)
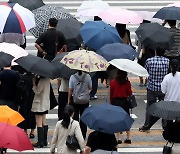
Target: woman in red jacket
(120,89)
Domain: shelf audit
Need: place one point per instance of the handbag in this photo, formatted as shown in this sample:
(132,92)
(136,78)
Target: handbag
(131,101)
(72,141)
(167,149)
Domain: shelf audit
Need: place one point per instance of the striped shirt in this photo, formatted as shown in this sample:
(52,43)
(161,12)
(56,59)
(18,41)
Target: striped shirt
(157,68)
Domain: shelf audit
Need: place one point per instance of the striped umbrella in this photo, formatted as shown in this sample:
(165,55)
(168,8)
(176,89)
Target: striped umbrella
(15,18)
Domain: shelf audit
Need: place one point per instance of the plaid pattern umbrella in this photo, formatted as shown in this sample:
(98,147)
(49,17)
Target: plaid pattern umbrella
(168,110)
(42,16)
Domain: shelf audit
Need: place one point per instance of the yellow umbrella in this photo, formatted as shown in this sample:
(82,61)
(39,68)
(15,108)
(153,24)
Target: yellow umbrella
(10,116)
(84,60)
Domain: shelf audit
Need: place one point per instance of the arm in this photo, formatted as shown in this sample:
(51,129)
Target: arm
(58,83)
(40,49)
(129,89)
(70,95)
(39,88)
(164,85)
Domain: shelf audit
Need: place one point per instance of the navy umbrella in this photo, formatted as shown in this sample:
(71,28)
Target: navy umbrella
(168,13)
(95,34)
(107,118)
(117,51)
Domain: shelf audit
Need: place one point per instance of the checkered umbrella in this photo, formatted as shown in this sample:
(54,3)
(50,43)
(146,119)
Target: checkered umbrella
(42,16)
(168,110)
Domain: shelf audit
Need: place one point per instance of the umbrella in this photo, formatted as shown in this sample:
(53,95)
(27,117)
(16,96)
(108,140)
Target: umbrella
(15,18)
(38,66)
(70,28)
(13,137)
(129,66)
(8,115)
(84,60)
(168,13)
(116,51)
(42,16)
(177,4)
(118,15)
(65,71)
(153,35)
(95,34)
(104,152)
(107,118)
(5,59)
(31,4)
(13,49)
(91,9)
(168,110)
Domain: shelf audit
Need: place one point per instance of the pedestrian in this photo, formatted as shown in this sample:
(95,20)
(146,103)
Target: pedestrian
(51,41)
(62,129)
(120,89)
(174,52)
(79,107)
(63,86)
(171,83)
(40,106)
(157,68)
(172,135)
(100,141)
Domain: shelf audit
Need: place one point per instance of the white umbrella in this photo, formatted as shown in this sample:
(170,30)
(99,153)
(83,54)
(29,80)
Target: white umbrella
(129,66)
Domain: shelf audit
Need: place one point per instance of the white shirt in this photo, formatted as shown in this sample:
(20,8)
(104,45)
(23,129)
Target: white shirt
(64,85)
(170,86)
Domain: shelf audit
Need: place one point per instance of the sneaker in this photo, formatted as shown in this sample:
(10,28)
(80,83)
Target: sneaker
(93,97)
(144,129)
(128,141)
(119,141)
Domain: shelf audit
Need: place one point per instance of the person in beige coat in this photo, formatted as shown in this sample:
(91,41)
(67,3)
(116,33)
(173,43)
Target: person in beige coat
(40,106)
(63,129)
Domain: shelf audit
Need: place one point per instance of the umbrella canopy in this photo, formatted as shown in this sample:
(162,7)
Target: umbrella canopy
(13,137)
(95,34)
(116,51)
(5,59)
(107,118)
(13,49)
(114,15)
(168,110)
(38,66)
(153,35)
(8,115)
(42,16)
(177,4)
(104,152)
(168,13)
(31,5)
(129,66)
(65,71)
(15,18)
(84,60)
(91,8)
(70,28)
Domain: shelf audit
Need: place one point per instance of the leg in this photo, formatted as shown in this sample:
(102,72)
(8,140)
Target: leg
(45,129)
(62,101)
(141,81)
(128,139)
(94,85)
(119,138)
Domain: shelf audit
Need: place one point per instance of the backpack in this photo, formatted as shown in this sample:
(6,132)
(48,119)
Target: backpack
(81,91)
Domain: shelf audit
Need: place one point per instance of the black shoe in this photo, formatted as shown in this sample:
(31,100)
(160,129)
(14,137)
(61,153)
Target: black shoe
(144,129)
(127,141)
(119,141)
(31,136)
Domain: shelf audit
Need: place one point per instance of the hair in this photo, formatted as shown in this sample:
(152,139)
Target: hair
(79,72)
(174,66)
(68,111)
(146,21)
(96,18)
(171,22)
(53,22)
(160,51)
(121,28)
(121,77)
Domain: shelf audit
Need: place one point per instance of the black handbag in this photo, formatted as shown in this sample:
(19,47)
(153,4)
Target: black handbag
(131,101)
(167,149)
(72,141)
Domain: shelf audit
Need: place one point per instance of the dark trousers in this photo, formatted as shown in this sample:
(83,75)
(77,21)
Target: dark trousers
(62,101)
(153,97)
(79,109)
(94,84)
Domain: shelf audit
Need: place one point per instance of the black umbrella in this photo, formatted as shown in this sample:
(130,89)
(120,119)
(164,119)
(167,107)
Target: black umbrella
(153,35)
(29,4)
(65,71)
(70,28)
(168,110)
(5,59)
(168,13)
(38,66)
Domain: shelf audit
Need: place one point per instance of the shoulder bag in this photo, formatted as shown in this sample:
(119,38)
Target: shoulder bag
(131,101)
(72,141)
